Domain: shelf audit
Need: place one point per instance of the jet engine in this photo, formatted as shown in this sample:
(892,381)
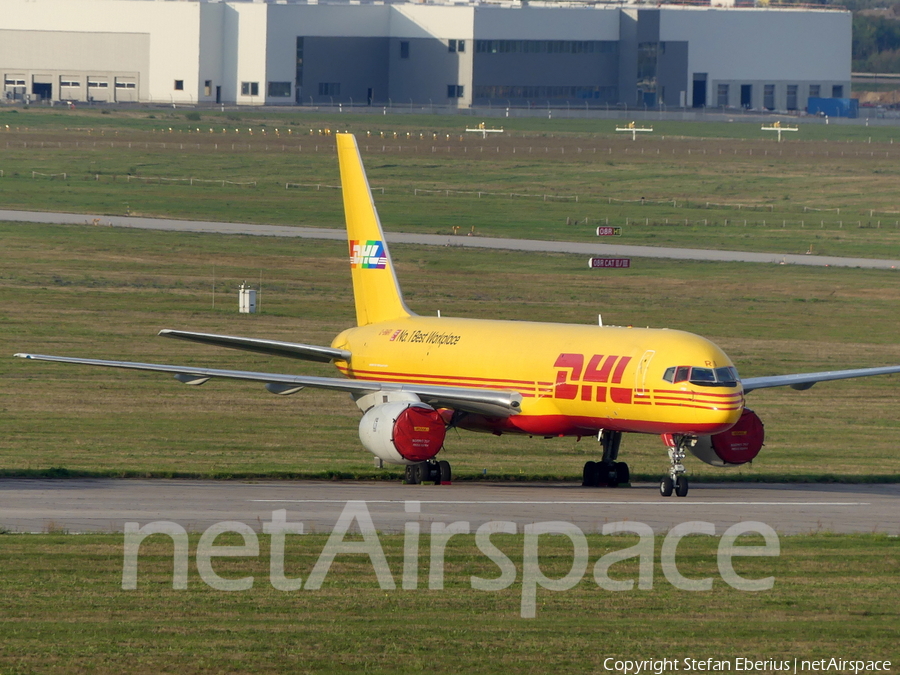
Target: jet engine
(402,432)
(739,445)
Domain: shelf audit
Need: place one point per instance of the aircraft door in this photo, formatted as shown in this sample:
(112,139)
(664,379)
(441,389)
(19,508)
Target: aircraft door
(640,374)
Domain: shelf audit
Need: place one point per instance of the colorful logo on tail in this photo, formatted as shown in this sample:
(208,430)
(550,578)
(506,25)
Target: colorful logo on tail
(367,255)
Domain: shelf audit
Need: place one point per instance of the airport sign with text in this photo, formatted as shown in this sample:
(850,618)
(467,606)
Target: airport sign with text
(619,263)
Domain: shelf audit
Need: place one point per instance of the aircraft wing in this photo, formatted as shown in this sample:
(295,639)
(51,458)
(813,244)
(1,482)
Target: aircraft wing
(491,402)
(272,347)
(803,381)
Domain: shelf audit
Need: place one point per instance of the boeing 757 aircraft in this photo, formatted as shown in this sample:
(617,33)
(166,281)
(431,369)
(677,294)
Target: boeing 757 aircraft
(414,377)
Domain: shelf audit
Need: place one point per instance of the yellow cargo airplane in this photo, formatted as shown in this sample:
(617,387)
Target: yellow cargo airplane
(414,377)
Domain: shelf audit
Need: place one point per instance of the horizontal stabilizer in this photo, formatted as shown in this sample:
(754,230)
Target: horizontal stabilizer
(803,381)
(272,347)
(493,403)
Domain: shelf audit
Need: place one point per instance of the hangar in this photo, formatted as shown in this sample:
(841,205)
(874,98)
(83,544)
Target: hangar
(456,54)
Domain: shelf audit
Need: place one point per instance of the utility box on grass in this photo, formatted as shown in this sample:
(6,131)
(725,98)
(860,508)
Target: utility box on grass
(247,300)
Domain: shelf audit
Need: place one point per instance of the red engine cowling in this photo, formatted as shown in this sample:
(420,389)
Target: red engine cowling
(739,445)
(402,432)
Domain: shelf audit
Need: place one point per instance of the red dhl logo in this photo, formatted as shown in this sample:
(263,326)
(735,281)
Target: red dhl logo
(600,368)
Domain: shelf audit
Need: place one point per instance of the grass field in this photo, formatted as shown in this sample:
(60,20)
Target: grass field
(716,185)
(104,292)
(64,610)
(98,291)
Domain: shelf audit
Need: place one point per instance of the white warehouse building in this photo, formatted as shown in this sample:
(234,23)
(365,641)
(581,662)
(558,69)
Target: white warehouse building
(462,54)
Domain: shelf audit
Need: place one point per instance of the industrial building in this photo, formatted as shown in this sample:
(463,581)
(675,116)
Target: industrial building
(460,54)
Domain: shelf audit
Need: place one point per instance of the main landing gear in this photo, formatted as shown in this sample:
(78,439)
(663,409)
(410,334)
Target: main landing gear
(607,471)
(676,480)
(434,471)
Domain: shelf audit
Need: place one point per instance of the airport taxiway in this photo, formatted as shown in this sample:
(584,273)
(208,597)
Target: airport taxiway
(105,505)
(575,248)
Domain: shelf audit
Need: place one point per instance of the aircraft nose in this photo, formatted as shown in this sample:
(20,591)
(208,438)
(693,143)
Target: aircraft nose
(723,409)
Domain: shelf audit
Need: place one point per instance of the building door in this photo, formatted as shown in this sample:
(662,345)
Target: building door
(746,95)
(369,96)
(698,100)
(218,94)
(42,90)
(14,87)
(126,89)
(42,87)
(98,89)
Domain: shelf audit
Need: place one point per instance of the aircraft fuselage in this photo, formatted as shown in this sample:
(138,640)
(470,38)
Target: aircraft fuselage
(574,379)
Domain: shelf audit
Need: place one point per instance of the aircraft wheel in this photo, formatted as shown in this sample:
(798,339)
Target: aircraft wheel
(665,486)
(591,474)
(444,470)
(421,473)
(681,486)
(410,474)
(610,474)
(623,474)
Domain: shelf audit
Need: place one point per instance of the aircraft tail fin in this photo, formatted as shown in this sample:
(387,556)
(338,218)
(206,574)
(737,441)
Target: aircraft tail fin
(375,288)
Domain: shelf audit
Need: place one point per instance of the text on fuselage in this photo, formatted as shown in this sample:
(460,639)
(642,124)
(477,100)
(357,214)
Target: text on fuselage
(574,379)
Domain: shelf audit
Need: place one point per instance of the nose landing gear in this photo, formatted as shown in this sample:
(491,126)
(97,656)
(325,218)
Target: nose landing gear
(676,480)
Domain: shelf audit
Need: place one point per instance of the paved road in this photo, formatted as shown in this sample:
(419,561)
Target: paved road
(585,249)
(106,504)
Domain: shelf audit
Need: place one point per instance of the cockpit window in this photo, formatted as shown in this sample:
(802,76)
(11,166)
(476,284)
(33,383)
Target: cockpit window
(706,377)
(727,376)
(702,375)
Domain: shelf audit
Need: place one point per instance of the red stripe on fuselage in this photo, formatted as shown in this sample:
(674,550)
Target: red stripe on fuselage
(686,399)
(699,407)
(564,425)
